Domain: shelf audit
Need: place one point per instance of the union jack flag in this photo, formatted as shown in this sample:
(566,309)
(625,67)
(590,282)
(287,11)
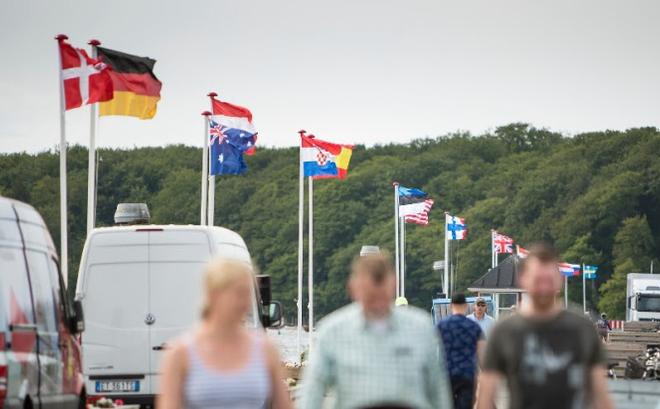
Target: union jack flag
(502,244)
(217,132)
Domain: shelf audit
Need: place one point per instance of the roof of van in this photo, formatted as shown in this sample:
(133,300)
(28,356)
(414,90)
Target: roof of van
(170,227)
(32,224)
(221,234)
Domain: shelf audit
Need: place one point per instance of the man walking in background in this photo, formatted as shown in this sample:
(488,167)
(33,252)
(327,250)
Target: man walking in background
(372,355)
(551,358)
(480,316)
(462,339)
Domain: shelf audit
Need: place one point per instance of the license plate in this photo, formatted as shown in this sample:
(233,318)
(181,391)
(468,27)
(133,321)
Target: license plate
(117,386)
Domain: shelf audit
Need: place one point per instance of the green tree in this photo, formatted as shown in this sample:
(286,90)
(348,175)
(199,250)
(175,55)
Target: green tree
(633,247)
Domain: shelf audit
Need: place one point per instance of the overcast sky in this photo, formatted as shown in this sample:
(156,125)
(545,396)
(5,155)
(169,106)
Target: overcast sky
(359,71)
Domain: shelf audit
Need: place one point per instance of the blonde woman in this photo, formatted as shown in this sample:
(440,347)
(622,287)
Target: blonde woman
(222,363)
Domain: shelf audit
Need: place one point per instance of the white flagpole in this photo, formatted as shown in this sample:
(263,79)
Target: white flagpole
(211,189)
(584,291)
(402,282)
(445,281)
(396,237)
(565,291)
(211,204)
(64,248)
(301,222)
(91,156)
(493,255)
(310,262)
(205,171)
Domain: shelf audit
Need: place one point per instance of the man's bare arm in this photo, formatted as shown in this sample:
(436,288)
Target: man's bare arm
(601,394)
(488,382)
(481,351)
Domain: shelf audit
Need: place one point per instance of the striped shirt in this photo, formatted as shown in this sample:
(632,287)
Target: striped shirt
(394,362)
(245,388)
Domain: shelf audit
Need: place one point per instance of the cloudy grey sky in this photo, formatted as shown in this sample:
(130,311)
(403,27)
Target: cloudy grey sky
(361,71)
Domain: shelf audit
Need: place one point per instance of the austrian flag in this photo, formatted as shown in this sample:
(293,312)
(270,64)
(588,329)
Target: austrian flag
(84,79)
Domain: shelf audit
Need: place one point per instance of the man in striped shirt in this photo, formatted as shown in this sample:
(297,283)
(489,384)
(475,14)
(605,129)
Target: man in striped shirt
(372,355)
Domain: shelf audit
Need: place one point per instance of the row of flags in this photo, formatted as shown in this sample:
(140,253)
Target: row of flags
(414,207)
(123,84)
(504,244)
(573,270)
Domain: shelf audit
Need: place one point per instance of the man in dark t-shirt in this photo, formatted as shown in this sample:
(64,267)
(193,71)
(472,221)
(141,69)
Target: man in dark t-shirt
(462,338)
(551,358)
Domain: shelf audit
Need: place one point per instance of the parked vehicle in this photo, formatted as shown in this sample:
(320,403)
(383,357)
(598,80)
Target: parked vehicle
(643,297)
(140,286)
(39,355)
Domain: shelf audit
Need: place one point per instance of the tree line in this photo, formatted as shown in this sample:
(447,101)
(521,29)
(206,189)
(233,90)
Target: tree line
(595,195)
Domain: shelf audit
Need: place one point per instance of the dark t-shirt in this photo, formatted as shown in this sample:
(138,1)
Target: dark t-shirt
(547,363)
(460,336)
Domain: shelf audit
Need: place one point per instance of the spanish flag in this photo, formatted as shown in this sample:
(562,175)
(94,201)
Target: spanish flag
(136,88)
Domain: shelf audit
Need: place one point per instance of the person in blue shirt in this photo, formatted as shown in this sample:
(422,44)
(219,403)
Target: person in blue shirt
(462,339)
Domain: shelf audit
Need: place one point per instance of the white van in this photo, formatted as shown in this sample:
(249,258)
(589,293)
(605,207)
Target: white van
(141,286)
(39,354)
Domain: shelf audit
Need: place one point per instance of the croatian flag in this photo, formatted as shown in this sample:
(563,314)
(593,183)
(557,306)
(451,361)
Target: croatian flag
(455,228)
(569,270)
(323,159)
(236,122)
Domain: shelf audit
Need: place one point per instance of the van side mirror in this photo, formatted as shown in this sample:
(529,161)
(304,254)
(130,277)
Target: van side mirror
(275,315)
(77,319)
(633,301)
(263,281)
(270,311)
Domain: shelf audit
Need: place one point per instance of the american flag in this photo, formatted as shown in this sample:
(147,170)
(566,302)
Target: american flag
(419,214)
(502,244)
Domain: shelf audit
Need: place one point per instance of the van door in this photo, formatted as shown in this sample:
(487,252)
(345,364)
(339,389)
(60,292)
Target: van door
(22,367)
(50,357)
(176,262)
(116,305)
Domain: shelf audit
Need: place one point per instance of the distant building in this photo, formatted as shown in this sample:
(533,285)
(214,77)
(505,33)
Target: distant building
(501,283)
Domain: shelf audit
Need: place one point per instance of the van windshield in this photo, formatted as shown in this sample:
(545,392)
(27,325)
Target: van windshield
(649,303)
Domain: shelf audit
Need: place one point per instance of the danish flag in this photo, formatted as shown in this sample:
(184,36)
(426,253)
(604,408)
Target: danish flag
(502,244)
(84,79)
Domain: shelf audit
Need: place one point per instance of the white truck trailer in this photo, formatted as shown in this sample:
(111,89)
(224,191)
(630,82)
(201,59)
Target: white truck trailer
(643,297)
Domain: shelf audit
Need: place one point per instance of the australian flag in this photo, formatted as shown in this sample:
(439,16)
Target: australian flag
(228,144)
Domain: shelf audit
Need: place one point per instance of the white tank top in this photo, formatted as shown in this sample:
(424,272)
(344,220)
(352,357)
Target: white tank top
(245,388)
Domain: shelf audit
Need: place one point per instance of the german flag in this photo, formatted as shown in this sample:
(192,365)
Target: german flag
(136,88)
